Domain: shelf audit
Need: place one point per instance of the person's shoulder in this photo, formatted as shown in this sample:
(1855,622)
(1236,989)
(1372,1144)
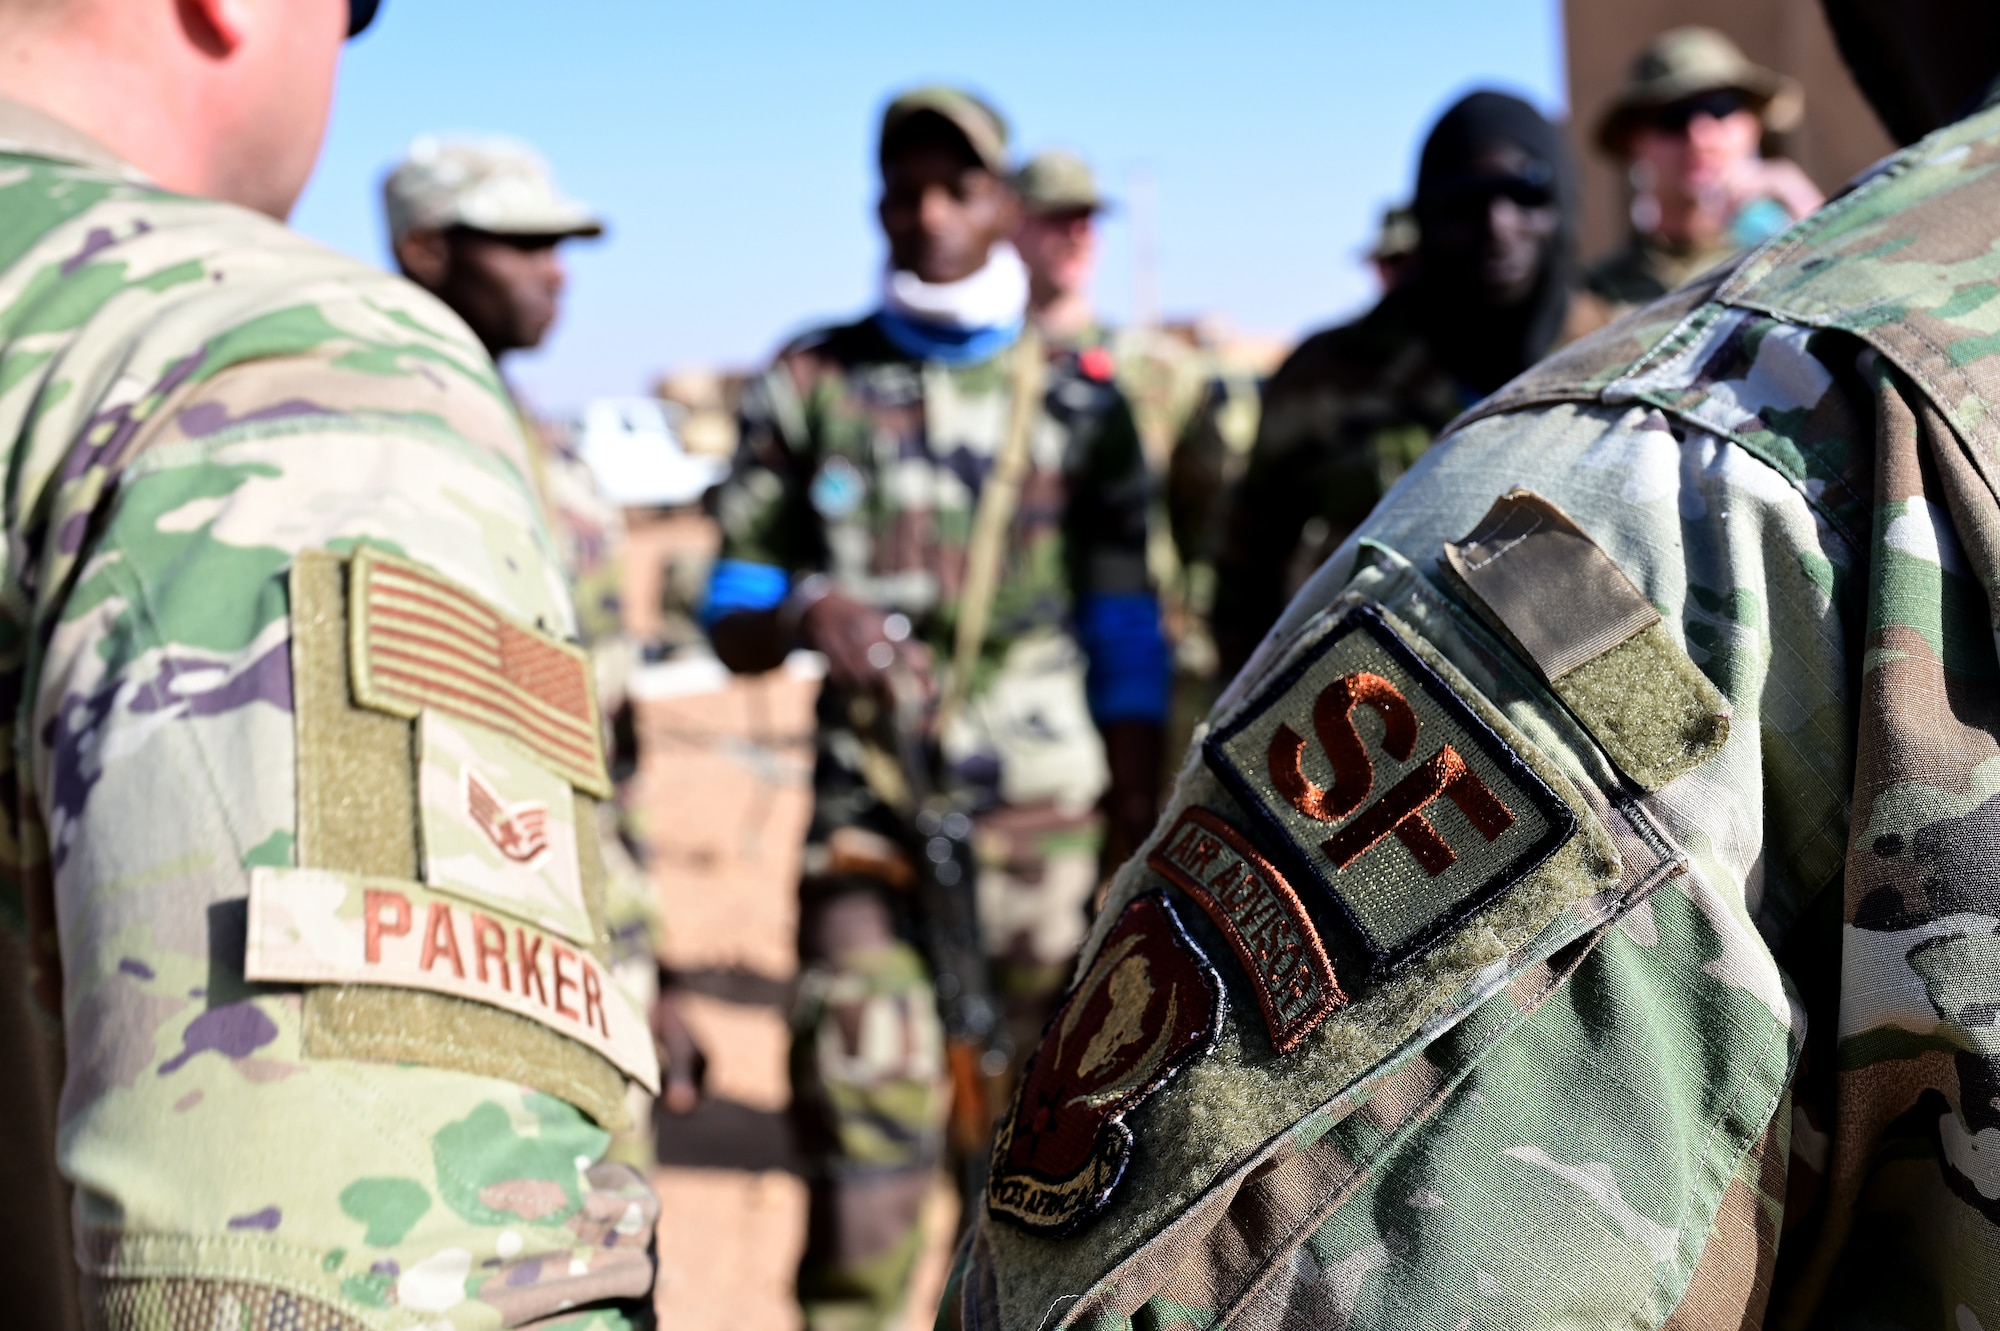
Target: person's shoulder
(1351,354)
(1623,276)
(835,348)
(143,265)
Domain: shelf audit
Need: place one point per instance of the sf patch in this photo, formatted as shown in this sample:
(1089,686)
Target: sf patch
(1380,787)
(1260,915)
(1149,1003)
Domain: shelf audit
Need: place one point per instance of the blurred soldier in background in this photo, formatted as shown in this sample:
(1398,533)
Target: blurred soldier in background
(1702,611)
(1057,240)
(309,1082)
(1354,406)
(1394,253)
(1687,125)
(871,452)
(479,224)
(1160,375)
(1174,383)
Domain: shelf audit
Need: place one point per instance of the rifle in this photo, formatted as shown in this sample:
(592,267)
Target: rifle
(945,894)
(937,826)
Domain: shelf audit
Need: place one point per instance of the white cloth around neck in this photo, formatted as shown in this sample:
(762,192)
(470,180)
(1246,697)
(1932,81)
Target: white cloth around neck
(995,296)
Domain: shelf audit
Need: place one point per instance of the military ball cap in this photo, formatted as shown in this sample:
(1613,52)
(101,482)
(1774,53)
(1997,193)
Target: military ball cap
(1687,62)
(984,128)
(490,184)
(1057,181)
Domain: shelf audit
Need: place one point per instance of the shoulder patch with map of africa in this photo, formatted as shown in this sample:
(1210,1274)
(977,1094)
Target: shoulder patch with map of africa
(1148,1004)
(1383,791)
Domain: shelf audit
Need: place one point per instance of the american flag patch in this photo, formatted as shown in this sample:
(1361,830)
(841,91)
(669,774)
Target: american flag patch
(420,640)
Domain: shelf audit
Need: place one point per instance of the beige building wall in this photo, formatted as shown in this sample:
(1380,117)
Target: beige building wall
(1839,136)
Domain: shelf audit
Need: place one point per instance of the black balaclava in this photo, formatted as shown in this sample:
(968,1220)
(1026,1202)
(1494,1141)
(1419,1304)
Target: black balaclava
(1921,63)
(1480,346)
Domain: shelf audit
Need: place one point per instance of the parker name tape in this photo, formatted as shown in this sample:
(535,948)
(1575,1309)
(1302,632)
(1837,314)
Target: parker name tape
(310,926)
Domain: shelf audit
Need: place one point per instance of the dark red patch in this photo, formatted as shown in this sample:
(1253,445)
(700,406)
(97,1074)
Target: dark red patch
(1263,919)
(1095,363)
(1149,1002)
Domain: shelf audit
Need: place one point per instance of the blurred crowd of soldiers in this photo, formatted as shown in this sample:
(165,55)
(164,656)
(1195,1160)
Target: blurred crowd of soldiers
(1031,546)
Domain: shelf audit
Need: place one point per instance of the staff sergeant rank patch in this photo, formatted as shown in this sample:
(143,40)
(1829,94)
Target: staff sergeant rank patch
(1149,1002)
(1380,787)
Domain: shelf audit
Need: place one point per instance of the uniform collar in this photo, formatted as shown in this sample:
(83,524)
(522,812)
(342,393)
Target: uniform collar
(33,133)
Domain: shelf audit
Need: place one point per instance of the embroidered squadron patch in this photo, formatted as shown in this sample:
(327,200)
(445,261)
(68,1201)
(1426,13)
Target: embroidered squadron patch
(1383,789)
(421,641)
(1260,915)
(1149,1002)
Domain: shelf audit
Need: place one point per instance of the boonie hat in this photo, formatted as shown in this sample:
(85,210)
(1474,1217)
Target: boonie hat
(1057,181)
(1688,62)
(1397,236)
(983,127)
(490,184)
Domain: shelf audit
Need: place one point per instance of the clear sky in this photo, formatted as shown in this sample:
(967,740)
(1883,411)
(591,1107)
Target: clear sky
(730,146)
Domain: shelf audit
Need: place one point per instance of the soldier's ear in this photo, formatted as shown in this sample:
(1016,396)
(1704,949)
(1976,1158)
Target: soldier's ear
(424,255)
(216,27)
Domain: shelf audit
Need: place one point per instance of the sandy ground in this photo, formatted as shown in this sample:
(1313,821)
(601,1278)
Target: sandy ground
(724,772)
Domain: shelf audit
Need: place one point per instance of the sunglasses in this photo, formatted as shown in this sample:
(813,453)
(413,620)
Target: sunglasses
(360,13)
(1717,105)
(1471,199)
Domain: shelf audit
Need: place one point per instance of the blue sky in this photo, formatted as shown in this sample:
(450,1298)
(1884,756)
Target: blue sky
(730,145)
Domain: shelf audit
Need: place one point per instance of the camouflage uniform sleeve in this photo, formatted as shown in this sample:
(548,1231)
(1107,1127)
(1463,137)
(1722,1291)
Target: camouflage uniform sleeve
(249,1152)
(1563,1104)
(764,507)
(1288,478)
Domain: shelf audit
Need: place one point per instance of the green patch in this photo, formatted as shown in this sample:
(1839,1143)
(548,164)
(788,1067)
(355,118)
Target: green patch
(333,1259)
(202,593)
(370,1290)
(1657,716)
(288,332)
(18,365)
(57,302)
(275,851)
(1965,300)
(1889,1044)
(177,275)
(46,197)
(483,1151)
(390,1207)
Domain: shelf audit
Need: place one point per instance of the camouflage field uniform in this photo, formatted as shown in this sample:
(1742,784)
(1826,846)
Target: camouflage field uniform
(589,533)
(1726,1055)
(239,466)
(858,461)
(1350,409)
(1645,268)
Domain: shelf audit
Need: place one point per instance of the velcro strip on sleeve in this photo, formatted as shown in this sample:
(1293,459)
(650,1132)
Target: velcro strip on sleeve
(419,640)
(358,815)
(310,926)
(1592,635)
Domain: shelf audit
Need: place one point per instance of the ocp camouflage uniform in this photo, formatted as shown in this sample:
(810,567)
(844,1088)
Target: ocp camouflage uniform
(1726,1055)
(589,532)
(212,427)
(865,464)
